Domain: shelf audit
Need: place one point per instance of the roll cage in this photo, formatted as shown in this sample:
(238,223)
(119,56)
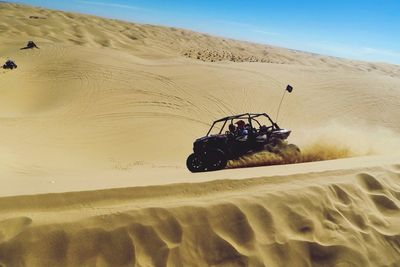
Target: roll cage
(249,117)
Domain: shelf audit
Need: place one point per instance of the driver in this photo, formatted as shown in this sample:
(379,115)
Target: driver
(232,128)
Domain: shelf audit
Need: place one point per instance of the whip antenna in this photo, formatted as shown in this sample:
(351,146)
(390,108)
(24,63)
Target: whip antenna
(289,89)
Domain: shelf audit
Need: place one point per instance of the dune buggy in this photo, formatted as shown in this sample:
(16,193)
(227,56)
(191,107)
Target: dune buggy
(246,133)
(9,65)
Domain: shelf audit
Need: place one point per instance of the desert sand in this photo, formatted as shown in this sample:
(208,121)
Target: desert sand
(96,125)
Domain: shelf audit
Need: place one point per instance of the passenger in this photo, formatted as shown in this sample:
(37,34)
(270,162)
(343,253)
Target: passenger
(248,128)
(241,131)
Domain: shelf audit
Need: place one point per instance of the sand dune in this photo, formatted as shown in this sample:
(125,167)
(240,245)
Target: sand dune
(337,218)
(105,104)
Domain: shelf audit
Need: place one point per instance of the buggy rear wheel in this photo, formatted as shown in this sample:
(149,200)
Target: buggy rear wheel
(194,163)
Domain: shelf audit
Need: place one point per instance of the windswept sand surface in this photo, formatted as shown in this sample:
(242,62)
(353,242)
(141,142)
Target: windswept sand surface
(108,110)
(336,218)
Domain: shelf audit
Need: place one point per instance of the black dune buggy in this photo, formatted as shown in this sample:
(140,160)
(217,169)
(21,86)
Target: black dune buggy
(9,65)
(246,133)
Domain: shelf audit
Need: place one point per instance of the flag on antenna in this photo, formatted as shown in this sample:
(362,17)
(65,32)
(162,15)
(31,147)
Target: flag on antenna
(289,88)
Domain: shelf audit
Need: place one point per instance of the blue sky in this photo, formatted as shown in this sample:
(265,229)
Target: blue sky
(366,30)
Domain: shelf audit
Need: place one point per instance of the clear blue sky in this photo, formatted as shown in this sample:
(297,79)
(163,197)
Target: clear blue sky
(366,30)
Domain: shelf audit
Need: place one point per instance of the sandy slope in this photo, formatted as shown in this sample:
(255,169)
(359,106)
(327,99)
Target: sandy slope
(105,104)
(336,218)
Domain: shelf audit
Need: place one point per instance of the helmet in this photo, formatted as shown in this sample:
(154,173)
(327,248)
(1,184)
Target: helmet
(240,123)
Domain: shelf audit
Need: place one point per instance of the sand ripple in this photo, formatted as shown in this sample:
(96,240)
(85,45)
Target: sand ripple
(352,222)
